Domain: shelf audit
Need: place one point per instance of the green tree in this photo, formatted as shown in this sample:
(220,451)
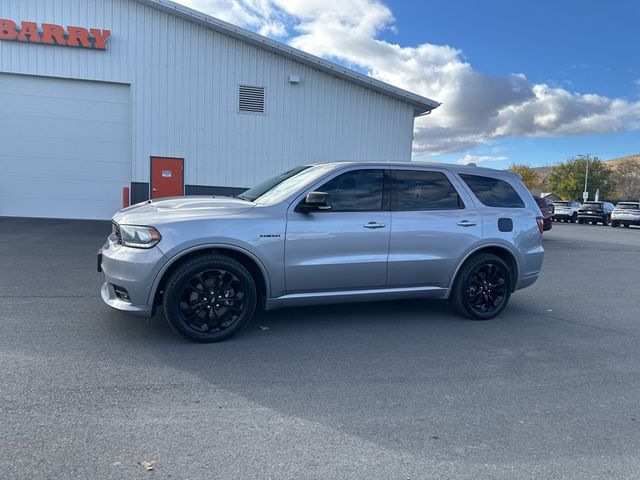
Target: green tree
(530,176)
(567,179)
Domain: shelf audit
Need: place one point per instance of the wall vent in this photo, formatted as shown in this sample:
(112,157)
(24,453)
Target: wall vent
(250,99)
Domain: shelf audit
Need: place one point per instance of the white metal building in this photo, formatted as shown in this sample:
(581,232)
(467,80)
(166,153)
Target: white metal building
(97,95)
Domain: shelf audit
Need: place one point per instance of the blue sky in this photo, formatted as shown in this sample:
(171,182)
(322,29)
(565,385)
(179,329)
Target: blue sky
(584,46)
(520,81)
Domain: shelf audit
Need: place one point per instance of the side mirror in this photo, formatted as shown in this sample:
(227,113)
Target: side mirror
(315,201)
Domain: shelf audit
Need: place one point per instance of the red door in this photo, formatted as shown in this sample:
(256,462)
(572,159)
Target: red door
(167,178)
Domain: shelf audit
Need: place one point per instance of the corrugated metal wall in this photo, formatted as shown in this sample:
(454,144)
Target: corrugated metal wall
(184,85)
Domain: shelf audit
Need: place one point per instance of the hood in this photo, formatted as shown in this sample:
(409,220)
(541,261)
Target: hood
(173,209)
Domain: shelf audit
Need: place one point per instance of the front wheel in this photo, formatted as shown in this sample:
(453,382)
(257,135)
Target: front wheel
(574,218)
(209,298)
(605,221)
(614,224)
(483,287)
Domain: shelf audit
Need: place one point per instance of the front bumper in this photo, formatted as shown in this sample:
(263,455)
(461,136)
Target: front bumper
(131,269)
(110,298)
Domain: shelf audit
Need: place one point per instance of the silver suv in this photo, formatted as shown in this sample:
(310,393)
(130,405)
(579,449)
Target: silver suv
(566,211)
(332,232)
(626,213)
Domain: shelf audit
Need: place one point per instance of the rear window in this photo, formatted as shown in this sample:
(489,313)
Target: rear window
(628,206)
(591,206)
(418,190)
(493,192)
(561,204)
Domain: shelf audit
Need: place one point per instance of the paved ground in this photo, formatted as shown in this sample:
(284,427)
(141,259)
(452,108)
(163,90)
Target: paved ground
(397,390)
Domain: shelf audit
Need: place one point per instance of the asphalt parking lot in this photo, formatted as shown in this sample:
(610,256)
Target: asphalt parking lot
(394,390)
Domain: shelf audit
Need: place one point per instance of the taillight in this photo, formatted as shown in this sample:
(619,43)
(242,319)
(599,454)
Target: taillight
(540,221)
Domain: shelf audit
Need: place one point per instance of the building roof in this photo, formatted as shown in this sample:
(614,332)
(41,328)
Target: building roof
(421,104)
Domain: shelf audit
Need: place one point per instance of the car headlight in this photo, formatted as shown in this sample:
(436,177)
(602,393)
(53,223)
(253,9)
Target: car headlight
(138,236)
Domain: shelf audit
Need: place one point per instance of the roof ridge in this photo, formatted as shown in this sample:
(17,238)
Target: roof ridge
(422,105)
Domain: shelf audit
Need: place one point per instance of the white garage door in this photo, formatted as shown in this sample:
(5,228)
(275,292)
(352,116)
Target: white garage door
(64,147)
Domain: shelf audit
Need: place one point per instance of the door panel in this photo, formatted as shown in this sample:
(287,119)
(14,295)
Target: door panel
(340,249)
(432,226)
(335,251)
(167,177)
(426,246)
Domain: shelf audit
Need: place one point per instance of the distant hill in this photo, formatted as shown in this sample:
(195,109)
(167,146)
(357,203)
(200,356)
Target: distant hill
(614,161)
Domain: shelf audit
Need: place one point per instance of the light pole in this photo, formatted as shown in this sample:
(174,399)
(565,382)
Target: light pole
(585,194)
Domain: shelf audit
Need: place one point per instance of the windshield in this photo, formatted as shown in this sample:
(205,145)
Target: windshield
(283,185)
(628,206)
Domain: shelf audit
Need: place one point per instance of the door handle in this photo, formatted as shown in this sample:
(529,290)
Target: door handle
(466,223)
(374,225)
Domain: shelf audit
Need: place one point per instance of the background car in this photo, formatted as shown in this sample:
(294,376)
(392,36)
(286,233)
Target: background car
(547,214)
(626,213)
(566,211)
(595,212)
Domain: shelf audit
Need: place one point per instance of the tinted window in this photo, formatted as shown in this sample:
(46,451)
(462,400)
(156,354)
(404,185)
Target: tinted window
(591,206)
(416,190)
(493,192)
(355,191)
(561,204)
(628,206)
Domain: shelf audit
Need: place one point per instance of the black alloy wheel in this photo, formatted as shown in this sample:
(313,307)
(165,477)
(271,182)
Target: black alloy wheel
(483,287)
(574,218)
(209,298)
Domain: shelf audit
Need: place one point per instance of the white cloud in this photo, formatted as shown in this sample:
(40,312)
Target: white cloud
(477,108)
(467,159)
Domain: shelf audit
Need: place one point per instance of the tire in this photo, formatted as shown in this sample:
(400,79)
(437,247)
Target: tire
(466,297)
(626,225)
(574,218)
(605,221)
(614,224)
(209,298)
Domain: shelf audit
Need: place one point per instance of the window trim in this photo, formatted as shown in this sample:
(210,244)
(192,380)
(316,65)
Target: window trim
(461,203)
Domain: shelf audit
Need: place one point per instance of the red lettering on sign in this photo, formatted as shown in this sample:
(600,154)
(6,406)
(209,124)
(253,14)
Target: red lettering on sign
(101,38)
(53,34)
(8,30)
(78,37)
(29,32)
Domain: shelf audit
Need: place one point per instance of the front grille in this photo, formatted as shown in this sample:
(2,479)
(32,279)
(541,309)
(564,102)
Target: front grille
(115,229)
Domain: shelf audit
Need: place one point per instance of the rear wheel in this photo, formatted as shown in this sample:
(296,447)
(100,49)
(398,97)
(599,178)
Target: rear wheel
(483,287)
(626,225)
(574,218)
(210,298)
(614,224)
(605,221)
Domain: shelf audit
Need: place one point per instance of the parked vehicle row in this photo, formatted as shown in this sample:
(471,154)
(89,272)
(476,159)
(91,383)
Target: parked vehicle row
(623,214)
